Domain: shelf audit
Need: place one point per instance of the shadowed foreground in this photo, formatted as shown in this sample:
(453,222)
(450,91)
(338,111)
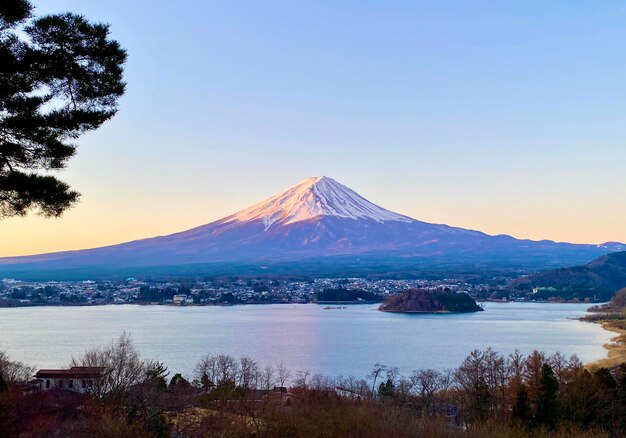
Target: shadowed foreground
(487,395)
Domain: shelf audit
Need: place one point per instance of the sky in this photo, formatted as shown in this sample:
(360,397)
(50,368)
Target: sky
(504,117)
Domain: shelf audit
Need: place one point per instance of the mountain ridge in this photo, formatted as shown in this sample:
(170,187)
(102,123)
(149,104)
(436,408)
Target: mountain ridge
(316,218)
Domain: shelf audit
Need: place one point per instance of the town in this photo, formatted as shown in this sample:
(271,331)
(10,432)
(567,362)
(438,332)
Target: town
(228,291)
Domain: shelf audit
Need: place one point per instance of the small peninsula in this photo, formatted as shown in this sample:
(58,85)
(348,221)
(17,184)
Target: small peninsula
(426,301)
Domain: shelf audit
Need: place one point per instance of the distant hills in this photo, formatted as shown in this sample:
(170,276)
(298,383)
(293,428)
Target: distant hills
(317,227)
(604,275)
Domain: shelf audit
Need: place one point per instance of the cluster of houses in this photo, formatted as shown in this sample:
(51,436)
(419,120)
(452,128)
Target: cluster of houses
(242,291)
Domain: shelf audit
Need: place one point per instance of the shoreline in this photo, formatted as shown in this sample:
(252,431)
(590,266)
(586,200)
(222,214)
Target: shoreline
(616,347)
(254,303)
(431,312)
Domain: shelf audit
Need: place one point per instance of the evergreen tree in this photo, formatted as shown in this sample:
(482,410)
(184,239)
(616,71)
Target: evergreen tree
(386,389)
(156,374)
(206,383)
(522,413)
(178,380)
(547,399)
(482,399)
(607,394)
(60,76)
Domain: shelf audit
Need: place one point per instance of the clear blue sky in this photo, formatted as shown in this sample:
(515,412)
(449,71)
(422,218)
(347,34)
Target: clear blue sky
(507,117)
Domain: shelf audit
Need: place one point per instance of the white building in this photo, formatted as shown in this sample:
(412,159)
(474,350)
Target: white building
(77,379)
(181,299)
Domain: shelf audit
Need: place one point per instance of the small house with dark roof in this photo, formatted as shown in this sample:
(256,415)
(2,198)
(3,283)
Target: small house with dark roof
(77,379)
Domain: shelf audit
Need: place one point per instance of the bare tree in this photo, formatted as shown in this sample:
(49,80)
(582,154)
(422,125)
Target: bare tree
(268,376)
(376,372)
(392,375)
(120,364)
(14,371)
(559,364)
(574,367)
(474,395)
(283,375)
(404,387)
(446,380)
(471,370)
(497,378)
(302,379)
(227,368)
(248,373)
(362,388)
(322,382)
(575,363)
(532,373)
(353,388)
(516,366)
(206,372)
(426,382)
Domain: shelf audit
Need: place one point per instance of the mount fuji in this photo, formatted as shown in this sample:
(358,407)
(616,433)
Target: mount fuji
(318,221)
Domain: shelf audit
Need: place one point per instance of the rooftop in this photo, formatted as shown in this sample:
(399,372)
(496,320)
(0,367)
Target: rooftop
(71,372)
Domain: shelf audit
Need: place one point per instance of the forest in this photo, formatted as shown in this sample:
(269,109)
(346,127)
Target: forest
(488,394)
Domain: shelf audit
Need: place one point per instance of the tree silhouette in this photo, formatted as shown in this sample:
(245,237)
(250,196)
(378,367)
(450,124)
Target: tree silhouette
(522,414)
(386,389)
(3,385)
(60,76)
(547,399)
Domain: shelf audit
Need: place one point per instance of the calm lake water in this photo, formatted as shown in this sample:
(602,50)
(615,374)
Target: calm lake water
(302,336)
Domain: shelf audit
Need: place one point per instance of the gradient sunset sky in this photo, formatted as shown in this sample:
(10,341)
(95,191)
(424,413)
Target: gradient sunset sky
(505,117)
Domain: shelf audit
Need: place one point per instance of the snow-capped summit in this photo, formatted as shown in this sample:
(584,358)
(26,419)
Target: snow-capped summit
(314,197)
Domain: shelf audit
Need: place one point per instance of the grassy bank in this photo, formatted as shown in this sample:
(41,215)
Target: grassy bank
(616,347)
(611,317)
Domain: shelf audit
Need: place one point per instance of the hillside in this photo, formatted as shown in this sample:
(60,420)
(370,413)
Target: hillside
(602,276)
(425,301)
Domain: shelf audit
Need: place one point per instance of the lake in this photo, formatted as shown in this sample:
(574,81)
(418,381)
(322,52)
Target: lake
(301,336)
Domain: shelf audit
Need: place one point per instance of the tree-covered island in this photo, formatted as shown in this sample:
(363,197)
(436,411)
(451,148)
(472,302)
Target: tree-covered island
(426,301)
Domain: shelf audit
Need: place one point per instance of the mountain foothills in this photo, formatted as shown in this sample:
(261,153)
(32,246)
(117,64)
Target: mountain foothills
(317,226)
(603,276)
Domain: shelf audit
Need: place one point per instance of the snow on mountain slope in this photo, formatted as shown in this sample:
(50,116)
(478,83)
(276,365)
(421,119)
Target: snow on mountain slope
(311,198)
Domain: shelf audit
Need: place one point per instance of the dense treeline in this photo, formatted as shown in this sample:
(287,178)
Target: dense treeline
(153,294)
(343,294)
(487,395)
